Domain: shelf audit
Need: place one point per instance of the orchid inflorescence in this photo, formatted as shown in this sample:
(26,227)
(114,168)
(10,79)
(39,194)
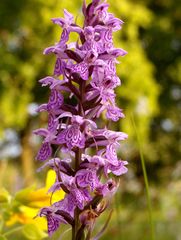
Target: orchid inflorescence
(82,154)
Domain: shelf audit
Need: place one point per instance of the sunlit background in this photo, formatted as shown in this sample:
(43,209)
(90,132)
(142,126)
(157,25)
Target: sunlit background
(150,94)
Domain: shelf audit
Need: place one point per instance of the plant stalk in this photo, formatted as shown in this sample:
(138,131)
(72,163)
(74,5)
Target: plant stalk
(145,180)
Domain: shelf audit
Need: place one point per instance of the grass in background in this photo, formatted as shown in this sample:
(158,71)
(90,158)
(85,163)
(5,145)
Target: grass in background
(152,229)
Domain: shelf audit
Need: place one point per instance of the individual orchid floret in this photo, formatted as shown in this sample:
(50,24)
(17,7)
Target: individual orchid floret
(72,137)
(87,178)
(53,219)
(67,24)
(114,113)
(46,150)
(76,145)
(118,169)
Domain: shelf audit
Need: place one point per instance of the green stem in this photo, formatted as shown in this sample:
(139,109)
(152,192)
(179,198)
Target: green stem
(13,231)
(145,180)
(73,232)
(76,221)
(78,154)
(75,227)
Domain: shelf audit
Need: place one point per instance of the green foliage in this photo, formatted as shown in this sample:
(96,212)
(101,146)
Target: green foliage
(23,196)
(3,238)
(162,44)
(31,232)
(4,196)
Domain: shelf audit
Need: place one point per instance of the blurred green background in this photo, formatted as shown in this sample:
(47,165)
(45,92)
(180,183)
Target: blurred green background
(150,92)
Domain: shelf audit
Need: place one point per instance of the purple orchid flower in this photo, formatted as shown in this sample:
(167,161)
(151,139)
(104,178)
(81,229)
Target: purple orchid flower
(82,154)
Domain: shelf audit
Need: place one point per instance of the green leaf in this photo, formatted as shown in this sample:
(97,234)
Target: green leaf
(3,238)
(5,197)
(23,195)
(31,232)
(1,225)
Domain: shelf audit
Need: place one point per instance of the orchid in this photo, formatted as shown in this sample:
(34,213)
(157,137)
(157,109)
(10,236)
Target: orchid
(83,155)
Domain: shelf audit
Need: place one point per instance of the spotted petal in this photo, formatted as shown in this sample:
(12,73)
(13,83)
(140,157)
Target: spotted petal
(82,69)
(45,152)
(55,100)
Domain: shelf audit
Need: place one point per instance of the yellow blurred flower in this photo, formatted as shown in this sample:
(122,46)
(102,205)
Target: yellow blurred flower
(32,200)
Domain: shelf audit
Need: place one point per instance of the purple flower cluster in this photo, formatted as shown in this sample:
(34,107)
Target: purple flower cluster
(82,154)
